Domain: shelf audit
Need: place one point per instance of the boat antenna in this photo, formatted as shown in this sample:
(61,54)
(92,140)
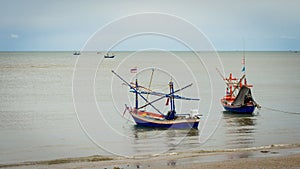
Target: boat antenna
(244,59)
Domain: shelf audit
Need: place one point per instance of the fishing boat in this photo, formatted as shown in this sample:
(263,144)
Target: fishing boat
(158,119)
(238,98)
(109,55)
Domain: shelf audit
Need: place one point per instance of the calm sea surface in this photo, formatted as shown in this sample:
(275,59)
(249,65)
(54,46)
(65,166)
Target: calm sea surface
(38,120)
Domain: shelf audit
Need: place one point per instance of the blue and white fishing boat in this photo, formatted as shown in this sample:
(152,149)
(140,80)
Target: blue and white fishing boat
(170,119)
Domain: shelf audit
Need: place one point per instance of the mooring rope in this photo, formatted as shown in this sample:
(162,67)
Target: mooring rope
(282,111)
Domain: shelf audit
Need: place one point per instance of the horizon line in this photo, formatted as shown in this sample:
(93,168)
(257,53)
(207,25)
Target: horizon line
(151,51)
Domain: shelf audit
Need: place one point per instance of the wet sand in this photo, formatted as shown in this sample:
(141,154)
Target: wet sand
(290,161)
(279,157)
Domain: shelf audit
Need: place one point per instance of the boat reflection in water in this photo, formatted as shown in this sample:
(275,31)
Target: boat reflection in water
(160,140)
(240,132)
(240,129)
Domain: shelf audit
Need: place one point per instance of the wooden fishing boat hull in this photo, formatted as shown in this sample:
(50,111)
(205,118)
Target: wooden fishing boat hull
(162,123)
(246,109)
(243,103)
(243,109)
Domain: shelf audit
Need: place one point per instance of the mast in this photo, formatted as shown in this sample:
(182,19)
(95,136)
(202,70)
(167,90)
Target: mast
(243,60)
(244,63)
(136,95)
(172,96)
(172,112)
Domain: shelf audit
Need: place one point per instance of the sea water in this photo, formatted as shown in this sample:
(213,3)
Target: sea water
(38,119)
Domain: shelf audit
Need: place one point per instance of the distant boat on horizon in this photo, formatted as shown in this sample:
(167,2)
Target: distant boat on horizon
(109,55)
(76,53)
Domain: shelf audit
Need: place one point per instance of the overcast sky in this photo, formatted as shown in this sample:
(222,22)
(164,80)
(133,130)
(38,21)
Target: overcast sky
(67,24)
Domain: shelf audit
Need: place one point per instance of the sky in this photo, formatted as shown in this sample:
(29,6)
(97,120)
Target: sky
(230,25)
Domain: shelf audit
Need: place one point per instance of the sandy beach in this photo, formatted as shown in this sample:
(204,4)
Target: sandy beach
(279,157)
(290,161)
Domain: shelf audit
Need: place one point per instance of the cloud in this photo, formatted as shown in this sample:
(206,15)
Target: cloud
(14,36)
(288,37)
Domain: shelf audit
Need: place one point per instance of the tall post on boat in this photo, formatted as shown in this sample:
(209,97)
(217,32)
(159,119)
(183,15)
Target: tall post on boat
(172,96)
(136,95)
(171,113)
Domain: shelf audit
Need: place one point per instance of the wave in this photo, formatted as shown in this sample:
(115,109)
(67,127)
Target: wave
(262,148)
(60,161)
(272,146)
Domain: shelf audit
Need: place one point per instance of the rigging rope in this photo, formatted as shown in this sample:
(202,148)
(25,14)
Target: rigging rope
(150,83)
(282,111)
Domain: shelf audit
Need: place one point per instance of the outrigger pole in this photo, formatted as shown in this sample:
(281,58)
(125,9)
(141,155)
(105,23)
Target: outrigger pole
(239,83)
(137,93)
(167,95)
(150,82)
